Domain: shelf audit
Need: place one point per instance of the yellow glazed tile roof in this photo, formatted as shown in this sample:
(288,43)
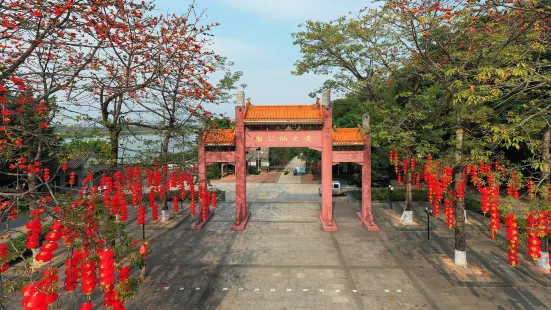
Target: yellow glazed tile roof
(283,113)
(219,137)
(348,136)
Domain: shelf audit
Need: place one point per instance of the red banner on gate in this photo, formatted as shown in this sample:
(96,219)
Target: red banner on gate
(283,138)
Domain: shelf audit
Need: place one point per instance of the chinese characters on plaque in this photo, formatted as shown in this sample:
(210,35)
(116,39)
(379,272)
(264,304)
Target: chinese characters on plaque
(284,138)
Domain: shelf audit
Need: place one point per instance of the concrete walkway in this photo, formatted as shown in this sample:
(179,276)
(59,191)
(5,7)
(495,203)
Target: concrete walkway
(290,178)
(283,260)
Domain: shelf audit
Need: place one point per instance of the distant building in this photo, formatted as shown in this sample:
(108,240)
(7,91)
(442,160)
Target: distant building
(82,165)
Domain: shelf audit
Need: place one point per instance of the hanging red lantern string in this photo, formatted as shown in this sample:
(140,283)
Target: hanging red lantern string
(64,166)
(494,210)
(46,174)
(123,211)
(418,181)
(34,297)
(175,204)
(3,257)
(72,177)
(182,194)
(141,215)
(172,179)
(89,281)
(107,269)
(73,271)
(162,192)
(484,201)
(108,296)
(214,200)
(449,213)
(460,190)
(192,208)
(390,157)
(412,162)
(48,248)
(405,166)
(400,178)
(155,212)
(512,236)
(533,241)
(531,190)
(33,234)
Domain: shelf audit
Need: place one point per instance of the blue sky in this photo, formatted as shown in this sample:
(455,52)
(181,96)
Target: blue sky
(256,35)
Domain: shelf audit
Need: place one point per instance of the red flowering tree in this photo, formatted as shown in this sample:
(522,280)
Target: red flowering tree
(53,54)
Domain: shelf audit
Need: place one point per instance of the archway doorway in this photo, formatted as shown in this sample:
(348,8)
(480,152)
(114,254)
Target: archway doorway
(288,126)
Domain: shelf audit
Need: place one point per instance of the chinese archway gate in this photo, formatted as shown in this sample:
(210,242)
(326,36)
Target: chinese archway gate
(308,126)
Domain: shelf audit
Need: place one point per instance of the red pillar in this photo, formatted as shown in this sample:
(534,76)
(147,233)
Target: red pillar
(326,215)
(365,214)
(241,213)
(201,183)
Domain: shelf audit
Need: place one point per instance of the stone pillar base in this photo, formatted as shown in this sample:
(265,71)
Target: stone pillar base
(407,218)
(328,226)
(543,261)
(200,225)
(165,216)
(370,226)
(461,258)
(242,224)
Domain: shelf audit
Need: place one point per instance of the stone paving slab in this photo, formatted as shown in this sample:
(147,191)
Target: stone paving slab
(284,261)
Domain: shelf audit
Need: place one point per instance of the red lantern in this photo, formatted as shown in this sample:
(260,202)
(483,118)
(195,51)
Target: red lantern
(531,191)
(413,164)
(405,166)
(460,190)
(192,208)
(107,268)
(214,200)
(175,204)
(86,306)
(449,210)
(533,241)
(72,177)
(64,166)
(123,211)
(141,215)
(3,257)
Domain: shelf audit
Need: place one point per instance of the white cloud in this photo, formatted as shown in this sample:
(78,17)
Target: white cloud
(298,10)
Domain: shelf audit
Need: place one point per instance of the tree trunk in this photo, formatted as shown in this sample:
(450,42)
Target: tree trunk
(164,153)
(460,252)
(114,140)
(546,154)
(545,173)
(407,216)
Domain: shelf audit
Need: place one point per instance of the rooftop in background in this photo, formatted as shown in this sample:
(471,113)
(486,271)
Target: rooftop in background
(349,136)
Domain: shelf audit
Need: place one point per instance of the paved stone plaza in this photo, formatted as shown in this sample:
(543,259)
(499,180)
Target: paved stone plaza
(283,260)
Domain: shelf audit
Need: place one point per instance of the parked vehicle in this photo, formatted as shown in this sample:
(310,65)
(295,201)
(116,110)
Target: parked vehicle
(338,189)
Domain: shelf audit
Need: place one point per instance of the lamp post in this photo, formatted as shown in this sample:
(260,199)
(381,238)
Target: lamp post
(390,189)
(429,213)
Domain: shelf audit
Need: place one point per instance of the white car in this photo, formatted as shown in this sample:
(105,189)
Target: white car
(337,189)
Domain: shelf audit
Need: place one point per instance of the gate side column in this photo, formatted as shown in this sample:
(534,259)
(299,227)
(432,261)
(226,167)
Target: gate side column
(242,214)
(365,214)
(326,215)
(200,219)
